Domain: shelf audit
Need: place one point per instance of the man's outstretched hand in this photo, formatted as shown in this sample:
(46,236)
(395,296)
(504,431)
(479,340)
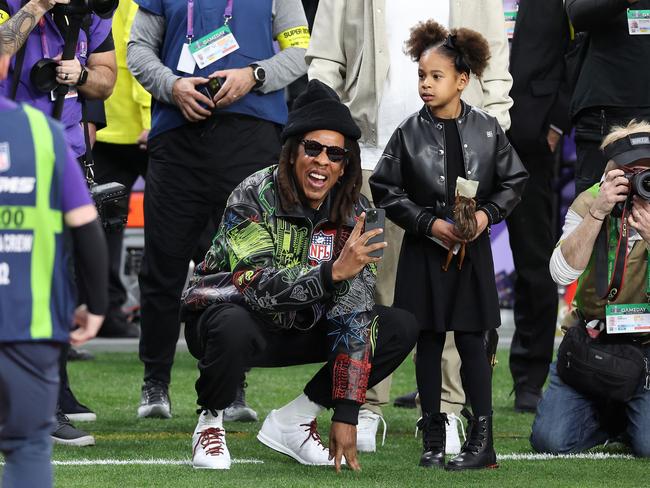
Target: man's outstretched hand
(343,443)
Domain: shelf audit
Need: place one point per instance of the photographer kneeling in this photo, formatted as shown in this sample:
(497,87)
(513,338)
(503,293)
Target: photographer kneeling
(600,386)
(290,279)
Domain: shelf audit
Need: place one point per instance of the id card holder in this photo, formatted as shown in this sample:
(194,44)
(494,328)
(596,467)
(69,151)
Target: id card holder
(72,93)
(638,22)
(628,318)
(214,46)
(186,63)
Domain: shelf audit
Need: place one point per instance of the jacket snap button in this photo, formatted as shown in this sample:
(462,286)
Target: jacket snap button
(469,172)
(443,204)
(442,178)
(440,151)
(439,126)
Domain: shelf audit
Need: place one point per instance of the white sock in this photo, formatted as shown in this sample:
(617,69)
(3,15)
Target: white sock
(208,419)
(302,407)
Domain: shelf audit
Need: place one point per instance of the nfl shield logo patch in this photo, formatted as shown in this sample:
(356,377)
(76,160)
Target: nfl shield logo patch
(5,159)
(322,247)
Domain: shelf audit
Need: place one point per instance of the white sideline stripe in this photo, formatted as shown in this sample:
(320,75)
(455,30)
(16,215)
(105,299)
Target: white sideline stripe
(551,457)
(180,462)
(141,462)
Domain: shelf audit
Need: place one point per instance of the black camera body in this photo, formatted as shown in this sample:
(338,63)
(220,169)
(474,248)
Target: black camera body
(211,88)
(112,202)
(101,8)
(639,185)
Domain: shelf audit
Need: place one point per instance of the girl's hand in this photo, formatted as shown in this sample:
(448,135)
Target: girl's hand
(481,223)
(445,232)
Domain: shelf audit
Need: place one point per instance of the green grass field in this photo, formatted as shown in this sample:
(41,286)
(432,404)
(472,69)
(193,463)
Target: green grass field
(110,385)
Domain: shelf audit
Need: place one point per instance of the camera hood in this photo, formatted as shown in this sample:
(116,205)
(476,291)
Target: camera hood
(43,75)
(629,149)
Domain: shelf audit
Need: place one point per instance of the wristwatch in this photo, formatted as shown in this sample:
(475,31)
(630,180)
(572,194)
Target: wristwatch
(259,74)
(83,76)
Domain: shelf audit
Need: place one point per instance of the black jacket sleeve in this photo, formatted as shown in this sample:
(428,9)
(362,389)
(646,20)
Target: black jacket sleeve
(587,15)
(387,186)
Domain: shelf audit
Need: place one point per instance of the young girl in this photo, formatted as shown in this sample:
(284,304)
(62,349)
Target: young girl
(415,181)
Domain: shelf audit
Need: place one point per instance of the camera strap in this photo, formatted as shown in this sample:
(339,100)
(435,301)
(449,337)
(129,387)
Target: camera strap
(611,256)
(88,161)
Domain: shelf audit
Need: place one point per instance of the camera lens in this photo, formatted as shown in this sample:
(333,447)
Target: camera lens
(641,184)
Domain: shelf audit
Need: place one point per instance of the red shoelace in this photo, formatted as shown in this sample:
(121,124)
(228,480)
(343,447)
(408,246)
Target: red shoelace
(312,428)
(211,440)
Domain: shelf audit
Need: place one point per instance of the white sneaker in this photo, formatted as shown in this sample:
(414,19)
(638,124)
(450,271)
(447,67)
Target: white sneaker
(209,449)
(301,441)
(367,430)
(452,442)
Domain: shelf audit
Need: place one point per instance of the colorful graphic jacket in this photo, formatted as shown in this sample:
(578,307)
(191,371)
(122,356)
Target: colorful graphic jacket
(278,263)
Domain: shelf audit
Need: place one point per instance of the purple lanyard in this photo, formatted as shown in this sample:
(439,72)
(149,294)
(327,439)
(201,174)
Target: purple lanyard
(41,28)
(227,15)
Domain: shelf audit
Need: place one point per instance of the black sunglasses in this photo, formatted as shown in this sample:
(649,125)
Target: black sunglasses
(335,154)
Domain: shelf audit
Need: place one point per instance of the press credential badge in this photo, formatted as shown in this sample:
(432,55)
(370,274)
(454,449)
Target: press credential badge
(214,46)
(638,22)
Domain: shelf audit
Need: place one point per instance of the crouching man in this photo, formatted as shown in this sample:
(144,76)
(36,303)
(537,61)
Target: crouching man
(290,280)
(599,387)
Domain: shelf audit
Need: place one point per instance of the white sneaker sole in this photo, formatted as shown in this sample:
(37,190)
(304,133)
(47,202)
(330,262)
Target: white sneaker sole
(154,411)
(84,441)
(211,467)
(81,417)
(276,446)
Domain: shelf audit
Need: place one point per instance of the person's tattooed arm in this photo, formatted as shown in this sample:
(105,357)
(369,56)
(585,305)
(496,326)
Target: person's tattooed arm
(14,32)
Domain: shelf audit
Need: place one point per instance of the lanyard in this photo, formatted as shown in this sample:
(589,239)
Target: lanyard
(41,28)
(617,257)
(227,15)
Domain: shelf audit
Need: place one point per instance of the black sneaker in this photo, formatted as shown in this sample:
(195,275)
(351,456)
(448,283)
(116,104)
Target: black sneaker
(73,409)
(239,411)
(79,355)
(65,433)
(154,402)
(406,401)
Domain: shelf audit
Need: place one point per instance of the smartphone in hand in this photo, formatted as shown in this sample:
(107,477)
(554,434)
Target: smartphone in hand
(211,88)
(375,219)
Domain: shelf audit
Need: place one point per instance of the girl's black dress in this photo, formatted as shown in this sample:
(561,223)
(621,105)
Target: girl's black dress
(464,300)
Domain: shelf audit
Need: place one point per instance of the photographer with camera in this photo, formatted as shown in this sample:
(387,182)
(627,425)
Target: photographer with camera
(200,148)
(63,52)
(600,384)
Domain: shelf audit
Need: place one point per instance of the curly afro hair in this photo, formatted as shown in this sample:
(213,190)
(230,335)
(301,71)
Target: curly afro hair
(471,46)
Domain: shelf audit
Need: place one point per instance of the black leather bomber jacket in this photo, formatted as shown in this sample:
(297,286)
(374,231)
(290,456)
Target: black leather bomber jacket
(409,180)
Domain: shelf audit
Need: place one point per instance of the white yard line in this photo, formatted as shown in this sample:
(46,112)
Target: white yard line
(182,462)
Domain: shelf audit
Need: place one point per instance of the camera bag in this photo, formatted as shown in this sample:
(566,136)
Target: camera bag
(601,367)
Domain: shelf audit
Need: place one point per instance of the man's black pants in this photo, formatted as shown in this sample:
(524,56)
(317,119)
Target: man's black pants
(229,338)
(532,240)
(192,171)
(122,163)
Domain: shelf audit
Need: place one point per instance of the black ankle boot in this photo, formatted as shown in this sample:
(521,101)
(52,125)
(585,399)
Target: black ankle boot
(478,450)
(433,430)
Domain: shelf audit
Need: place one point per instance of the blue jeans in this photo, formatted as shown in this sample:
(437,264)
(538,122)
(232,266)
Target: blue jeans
(569,422)
(29,388)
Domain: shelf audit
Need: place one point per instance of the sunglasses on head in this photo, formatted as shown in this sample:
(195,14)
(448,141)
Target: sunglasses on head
(335,154)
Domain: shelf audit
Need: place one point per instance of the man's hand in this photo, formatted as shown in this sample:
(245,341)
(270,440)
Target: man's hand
(553,139)
(343,443)
(187,98)
(354,255)
(88,325)
(639,218)
(481,223)
(68,72)
(238,83)
(46,5)
(142,140)
(613,190)
(445,232)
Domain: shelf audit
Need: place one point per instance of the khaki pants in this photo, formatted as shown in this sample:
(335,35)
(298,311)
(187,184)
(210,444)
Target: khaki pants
(452,395)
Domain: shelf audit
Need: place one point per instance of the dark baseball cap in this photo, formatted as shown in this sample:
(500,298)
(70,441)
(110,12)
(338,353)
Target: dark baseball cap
(629,148)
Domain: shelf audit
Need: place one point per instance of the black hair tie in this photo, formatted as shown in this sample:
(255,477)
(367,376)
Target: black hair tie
(459,60)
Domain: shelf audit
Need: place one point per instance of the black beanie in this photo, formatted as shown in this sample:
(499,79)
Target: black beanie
(319,108)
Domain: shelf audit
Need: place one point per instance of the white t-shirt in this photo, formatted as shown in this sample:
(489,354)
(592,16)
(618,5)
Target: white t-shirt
(400,96)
